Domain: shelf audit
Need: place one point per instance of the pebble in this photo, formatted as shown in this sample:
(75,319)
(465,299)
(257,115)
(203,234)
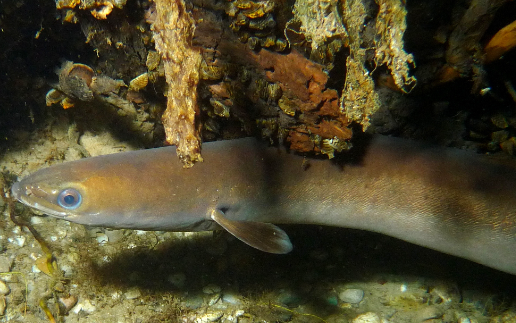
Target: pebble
(352,295)
(102,238)
(368,317)
(231,299)
(214,300)
(193,302)
(133,293)
(3,305)
(209,317)
(68,302)
(85,306)
(4,289)
(211,289)
(5,264)
(428,313)
(114,235)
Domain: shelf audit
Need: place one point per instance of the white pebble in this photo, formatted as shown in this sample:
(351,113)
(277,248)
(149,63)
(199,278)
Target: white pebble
(4,289)
(35,220)
(102,238)
(368,317)
(19,240)
(352,295)
(85,306)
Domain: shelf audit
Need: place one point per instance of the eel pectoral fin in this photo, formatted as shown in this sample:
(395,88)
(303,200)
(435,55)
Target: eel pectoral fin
(262,236)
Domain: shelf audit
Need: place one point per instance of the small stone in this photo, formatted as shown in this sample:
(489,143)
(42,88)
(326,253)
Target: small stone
(85,306)
(4,289)
(428,313)
(368,317)
(214,299)
(211,289)
(133,293)
(3,305)
(209,317)
(352,295)
(508,145)
(114,235)
(231,299)
(102,238)
(499,121)
(5,264)
(193,302)
(500,136)
(68,302)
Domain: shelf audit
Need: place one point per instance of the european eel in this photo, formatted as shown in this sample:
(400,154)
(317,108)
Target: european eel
(450,200)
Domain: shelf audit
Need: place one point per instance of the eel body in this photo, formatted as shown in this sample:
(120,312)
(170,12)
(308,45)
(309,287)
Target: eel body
(446,199)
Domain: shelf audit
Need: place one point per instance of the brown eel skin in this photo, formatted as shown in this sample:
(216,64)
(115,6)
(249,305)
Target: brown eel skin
(446,199)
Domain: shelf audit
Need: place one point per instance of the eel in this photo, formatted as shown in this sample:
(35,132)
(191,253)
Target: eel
(450,200)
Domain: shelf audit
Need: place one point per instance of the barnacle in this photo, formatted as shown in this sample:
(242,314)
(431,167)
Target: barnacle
(139,82)
(54,96)
(211,72)
(287,106)
(153,60)
(75,80)
(219,108)
(329,146)
(255,23)
(103,11)
(100,9)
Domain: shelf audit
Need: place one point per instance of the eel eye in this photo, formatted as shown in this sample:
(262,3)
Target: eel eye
(69,199)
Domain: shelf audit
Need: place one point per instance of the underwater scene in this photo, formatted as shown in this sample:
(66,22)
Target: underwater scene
(376,184)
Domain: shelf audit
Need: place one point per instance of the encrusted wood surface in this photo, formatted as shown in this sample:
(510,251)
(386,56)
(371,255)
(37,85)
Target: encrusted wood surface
(173,29)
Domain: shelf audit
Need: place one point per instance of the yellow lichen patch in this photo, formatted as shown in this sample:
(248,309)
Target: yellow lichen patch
(503,41)
(173,28)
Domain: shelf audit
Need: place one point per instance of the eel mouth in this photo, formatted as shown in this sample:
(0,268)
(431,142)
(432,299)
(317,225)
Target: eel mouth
(21,193)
